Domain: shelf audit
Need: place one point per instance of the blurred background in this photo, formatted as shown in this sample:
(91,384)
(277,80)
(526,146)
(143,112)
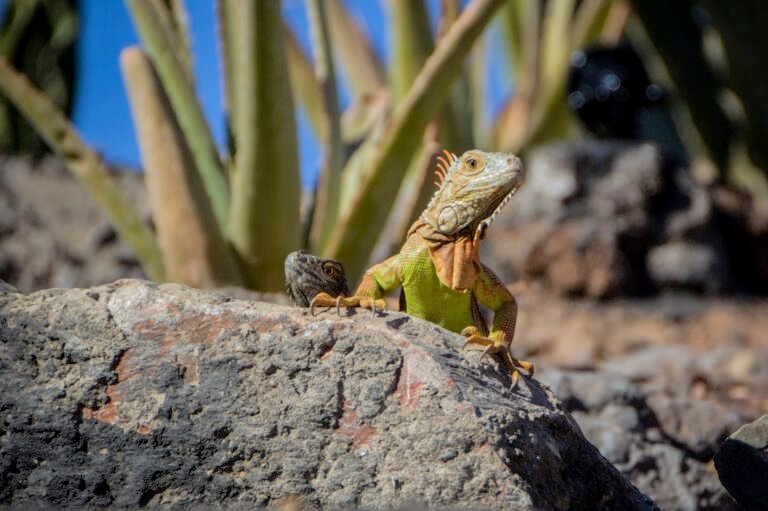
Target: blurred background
(199,142)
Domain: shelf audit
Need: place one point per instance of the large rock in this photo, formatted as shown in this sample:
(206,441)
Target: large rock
(134,394)
(742,464)
(662,445)
(52,231)
(600,218)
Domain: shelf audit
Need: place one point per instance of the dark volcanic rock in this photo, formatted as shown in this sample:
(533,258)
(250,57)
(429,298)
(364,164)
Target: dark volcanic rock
(663,445)
(600,218)
(742,464)
(54,234)
(134,394)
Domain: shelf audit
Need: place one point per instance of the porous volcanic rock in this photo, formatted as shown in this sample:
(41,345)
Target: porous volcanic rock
(600,218)
(135,394)
(663,445)
(742,464)
(52,231)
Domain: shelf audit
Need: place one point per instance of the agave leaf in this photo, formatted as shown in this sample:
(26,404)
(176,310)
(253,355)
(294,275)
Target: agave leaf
(264,224)
(412,44)
(353,238)
(173,16)
(362,67)
(478,87)
(742,26)
(514,19)
(550,118)
(449,12)
(363,114)
(38,38)
(522,26)
(84,163)
(678,40)
(194,249)
(615,23)
(159,46)
(450,119)
(226,34)
(589,21)
(417,188)
(357,168)
(329,185)
(555,48)
(305,85)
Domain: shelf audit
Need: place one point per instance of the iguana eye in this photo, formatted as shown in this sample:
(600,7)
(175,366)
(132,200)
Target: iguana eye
(330,270)
(472,163)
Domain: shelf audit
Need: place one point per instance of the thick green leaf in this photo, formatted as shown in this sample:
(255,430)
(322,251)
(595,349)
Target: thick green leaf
(264,223)
(194,249)
(417,189)
(84,163)
(412,44)
(160,48)
(556,47)
(327,199)
(362,67)
(224,22)
(678,40)
(304,84)
(589,21)
(353,237)
(172,14)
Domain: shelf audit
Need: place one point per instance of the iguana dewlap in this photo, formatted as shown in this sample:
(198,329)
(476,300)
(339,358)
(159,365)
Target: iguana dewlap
(438,266)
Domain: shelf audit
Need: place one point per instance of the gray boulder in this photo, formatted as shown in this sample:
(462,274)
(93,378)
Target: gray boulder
(742,464)
(600,218)
(663,445)
(134,394)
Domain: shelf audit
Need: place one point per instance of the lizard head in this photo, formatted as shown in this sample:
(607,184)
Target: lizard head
(307,275)
(474,189)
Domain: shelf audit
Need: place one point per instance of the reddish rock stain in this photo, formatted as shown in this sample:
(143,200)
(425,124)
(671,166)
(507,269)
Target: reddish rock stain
(361,434)
(452,387)
(108,412)
(409,387)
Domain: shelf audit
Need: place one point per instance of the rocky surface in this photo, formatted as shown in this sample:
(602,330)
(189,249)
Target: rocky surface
(656,385)
(662,444)
(742,463)
(134,394)
(53,234)
(604,218)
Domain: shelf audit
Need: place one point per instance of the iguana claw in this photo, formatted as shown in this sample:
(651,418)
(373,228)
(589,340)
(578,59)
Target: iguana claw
(365,302)
(496,343)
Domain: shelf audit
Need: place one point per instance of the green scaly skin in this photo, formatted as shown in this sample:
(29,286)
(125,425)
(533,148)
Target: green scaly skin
(475,188)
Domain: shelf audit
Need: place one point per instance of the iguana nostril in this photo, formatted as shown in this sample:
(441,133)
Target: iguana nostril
(510,161)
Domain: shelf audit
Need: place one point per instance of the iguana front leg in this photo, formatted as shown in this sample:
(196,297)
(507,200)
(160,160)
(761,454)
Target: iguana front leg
(490,292)
(378,280)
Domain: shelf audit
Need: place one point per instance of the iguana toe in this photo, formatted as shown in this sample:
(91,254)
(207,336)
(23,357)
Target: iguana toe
(365,302)
(496,343)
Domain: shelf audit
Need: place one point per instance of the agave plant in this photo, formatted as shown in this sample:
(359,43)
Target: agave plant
(223,219)
(37,37)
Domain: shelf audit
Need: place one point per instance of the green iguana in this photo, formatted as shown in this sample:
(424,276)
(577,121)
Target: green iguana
(438,266)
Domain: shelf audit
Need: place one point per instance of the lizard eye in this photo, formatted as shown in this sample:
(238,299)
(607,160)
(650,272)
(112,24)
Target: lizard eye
(472,163)
(329,270)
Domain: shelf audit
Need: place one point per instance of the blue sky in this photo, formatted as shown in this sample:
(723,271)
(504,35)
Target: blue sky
(101,110)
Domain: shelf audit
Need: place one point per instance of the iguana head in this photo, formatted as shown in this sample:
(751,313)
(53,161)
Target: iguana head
(474,188)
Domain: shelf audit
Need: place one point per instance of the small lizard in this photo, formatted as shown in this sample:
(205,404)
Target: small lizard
(306,276)
(438,266)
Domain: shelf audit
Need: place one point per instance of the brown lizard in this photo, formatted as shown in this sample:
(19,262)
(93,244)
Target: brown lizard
(307,275)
